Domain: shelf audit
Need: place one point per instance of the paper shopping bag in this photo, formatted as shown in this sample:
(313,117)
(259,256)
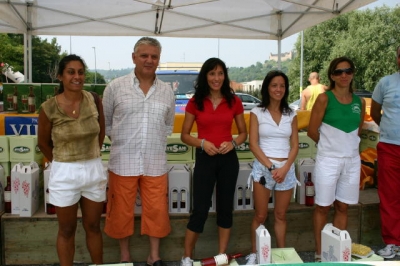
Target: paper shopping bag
(263,245)
(335,244)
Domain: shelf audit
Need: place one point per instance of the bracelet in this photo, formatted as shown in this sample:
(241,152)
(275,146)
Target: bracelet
(202,144)
(234,143)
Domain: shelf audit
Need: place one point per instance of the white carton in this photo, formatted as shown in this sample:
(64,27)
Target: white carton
(179,184)
(304,166)
(243,199)
(46,175)
(335,244)
(29,193)
(263,245)
(15,187)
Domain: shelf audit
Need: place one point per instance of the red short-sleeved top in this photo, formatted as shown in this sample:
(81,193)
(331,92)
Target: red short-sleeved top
(215,125)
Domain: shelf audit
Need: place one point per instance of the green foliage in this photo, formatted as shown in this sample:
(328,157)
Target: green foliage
(368,37)
(45,56)
(255,72)
(90,78)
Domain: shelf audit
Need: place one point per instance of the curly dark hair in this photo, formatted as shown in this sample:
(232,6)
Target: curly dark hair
(265,97)
(202,90)
(63,64)
(333,66)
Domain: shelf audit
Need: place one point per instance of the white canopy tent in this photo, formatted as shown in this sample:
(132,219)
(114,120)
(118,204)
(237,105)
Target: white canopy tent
(233,19)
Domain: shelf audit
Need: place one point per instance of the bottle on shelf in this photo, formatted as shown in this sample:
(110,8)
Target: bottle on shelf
(183,199)
(174,199)
(7,196)
(221,259)
(31,101)
(15,99)
(248,195)
(240,196)
(310,191)
(50,208)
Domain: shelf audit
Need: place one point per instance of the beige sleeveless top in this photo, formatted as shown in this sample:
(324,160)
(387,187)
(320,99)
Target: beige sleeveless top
(74,139)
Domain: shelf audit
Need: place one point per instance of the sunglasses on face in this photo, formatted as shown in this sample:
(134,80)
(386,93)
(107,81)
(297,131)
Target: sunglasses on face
(340,71)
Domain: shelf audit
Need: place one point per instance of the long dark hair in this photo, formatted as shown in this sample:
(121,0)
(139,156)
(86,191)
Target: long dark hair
(333,66)
(265,97)
(202,90)
(63,64)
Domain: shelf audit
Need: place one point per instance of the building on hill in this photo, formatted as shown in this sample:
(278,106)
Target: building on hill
(180,66)
(284,56)
(251,86)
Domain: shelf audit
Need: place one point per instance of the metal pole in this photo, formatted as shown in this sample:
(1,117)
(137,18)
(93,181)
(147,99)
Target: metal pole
(301,62)
(95,69)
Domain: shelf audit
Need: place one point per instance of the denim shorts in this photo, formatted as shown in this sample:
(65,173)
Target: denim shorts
(260,172)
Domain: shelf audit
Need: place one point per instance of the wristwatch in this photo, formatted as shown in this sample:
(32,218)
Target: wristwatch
(272,167)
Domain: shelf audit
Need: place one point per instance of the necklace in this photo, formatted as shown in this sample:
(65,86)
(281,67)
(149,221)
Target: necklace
(215,101)
(73,111)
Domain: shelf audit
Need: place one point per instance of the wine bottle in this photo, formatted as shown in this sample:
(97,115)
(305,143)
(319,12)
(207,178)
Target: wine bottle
(248,195)
(7,196)
(221,259)
(310,191)
(50,208)
(174,199)
(15,99)
(240,196)
(31,101)
(183,199)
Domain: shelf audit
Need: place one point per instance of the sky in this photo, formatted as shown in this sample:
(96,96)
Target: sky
(109,53)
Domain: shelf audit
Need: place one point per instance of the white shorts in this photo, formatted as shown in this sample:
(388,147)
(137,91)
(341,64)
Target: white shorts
(337,179)
(69,181)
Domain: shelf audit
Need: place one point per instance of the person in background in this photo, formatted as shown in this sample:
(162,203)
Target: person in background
(335,125)
(386,98)
(310,94)
(214,107)
(70,135)
(139,112)
(274,142)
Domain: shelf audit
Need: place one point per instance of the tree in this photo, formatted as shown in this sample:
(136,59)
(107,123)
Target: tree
(90,78)
(44,55)
(368,37)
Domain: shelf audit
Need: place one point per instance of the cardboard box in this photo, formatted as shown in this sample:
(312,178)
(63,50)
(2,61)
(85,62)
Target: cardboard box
(25,148)
(285,255)
(29,193)
(105,149)
(4,149)
(177,150)
(179,186)
(335,244)
(306,146)
(15,187)
(26,97)
(243,150)
(304,166)
(263,245)
(243,199)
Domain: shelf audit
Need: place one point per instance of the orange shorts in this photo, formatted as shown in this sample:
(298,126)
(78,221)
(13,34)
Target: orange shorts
(122,191)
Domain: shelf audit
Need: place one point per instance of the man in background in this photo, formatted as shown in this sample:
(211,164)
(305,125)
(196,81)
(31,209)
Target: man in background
(310,94)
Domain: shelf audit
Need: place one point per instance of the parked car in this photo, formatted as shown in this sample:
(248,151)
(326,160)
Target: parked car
(248,101)
(362,93)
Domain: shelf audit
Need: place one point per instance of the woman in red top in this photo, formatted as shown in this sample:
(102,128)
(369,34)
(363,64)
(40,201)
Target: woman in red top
(214,106)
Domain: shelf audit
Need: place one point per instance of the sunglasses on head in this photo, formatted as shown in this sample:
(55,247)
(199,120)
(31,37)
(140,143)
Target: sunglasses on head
(340,71)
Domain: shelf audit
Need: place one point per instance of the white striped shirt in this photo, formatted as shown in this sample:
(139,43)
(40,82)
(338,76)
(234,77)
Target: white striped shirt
(138,126)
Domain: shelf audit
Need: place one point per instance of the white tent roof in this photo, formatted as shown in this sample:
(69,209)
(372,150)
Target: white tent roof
(235,19)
